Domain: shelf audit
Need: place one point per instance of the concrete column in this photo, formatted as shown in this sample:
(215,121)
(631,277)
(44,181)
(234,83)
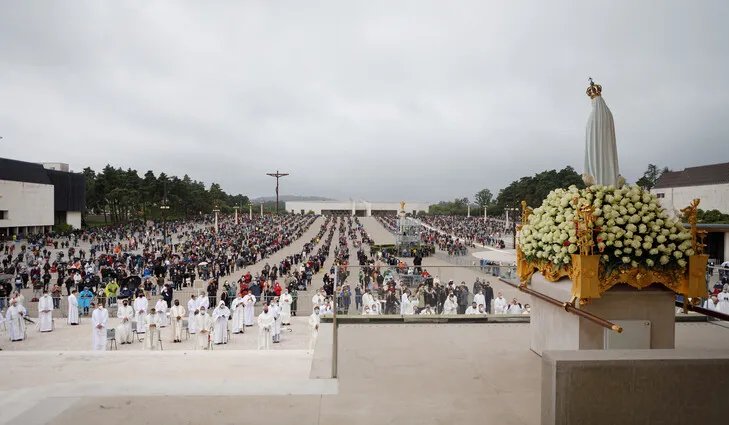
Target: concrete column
(726,246)
(469,210)
(250,212)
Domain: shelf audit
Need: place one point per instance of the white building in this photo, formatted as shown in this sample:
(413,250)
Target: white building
(358,208)
(34,197)
(710,184)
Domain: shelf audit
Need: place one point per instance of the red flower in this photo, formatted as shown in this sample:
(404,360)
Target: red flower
(566,243)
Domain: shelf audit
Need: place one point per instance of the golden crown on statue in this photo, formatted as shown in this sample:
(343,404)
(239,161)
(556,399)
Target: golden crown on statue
(594,90)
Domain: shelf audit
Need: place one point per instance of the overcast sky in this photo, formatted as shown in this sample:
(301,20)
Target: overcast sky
(382,100)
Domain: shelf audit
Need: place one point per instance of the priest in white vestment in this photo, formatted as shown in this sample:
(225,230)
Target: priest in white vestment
(318,299)
(265,329)
(426,311)
(99,318)
(238,323)
(479,299)
(409,306)
(192,312)
(203,326)
(140,309)
(450,306)
(161,308)
(473,309)
(500,304)
(125,313)
(275,311)
(286,301)
(177,313)
(203,301)
(14,315)
(73,308)
(220,324)
(152,327)
(249,302)
(367,300)
(404,301)
(514,307)
(723,298)
(314,321)
(45,313)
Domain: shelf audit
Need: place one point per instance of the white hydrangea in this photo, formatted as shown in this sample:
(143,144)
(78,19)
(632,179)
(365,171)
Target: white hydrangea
(632,228)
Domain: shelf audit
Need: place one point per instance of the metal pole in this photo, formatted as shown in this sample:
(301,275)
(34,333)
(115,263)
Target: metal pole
(567,307)
(469,210)
(250,211)
(261,209)
(702,310)
(507,218)
(335,325)
(485,209)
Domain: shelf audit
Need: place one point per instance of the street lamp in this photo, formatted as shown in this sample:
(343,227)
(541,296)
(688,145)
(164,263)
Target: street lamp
(216,211)
(511,228)
(164,206)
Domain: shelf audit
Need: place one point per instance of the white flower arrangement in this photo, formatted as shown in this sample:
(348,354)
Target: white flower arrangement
(631,229)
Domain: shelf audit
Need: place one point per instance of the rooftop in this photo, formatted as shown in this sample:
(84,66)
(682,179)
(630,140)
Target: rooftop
(695,176)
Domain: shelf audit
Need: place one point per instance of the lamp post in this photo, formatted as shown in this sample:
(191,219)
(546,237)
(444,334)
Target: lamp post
(512,228)
(485,210)
(261,209)
(250,211)
(216,211)
(236,208)
(164,206)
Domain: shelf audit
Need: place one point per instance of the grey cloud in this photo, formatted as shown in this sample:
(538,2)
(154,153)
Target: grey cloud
(424,100)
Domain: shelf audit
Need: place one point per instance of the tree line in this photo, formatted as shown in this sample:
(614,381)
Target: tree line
(123,195)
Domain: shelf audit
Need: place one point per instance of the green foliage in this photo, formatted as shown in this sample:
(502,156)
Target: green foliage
(712,217)
(484,197)
(122,196)
(456,207)
(651,176)
(535,189)
(62,229)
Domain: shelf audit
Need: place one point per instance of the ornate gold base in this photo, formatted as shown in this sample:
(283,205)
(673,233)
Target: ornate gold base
(589,279)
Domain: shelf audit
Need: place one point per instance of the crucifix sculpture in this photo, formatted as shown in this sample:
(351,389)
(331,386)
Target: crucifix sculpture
(278,176)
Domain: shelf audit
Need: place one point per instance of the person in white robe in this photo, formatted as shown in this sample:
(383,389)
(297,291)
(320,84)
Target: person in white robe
(500,304)
(125,313)
(238,323)
(325,308)
(514,307)
(275,311)
(45,313)
(286,301)
(203,326)
(427,311)
(314,321)
(723,298)
(404,301)
(141,305)
(712,303)
(99,318)
(177,313)
(318,299)
(367,299)
(203,301)
(375,309)
(220,324)
(450,306)
(161,308)
(527,309)
(14,315)
(410,306)
(367,311)
(192,313)
(265,329)
(479,298)
(152,328)
(249,302)
(73,308)
(473,309)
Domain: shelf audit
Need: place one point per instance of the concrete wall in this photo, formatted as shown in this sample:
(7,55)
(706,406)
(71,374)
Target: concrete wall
(28,204)
(74,219)
(554,329)
(361,207)
(634,387)
(713,197)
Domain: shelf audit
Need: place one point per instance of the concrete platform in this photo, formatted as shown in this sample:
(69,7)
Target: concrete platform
(388,373)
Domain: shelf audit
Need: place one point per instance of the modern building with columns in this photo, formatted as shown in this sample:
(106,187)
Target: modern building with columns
(359,208)
(34,197)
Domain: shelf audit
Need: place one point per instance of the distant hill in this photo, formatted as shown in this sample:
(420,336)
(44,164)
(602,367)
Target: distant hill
(285,198)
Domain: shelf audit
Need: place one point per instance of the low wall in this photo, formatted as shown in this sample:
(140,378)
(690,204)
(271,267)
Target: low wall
(634,387)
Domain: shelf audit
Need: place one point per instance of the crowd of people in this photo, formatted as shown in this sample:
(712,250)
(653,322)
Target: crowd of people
(469,230)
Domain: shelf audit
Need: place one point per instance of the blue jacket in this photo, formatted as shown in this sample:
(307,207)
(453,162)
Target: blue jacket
(85,297)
